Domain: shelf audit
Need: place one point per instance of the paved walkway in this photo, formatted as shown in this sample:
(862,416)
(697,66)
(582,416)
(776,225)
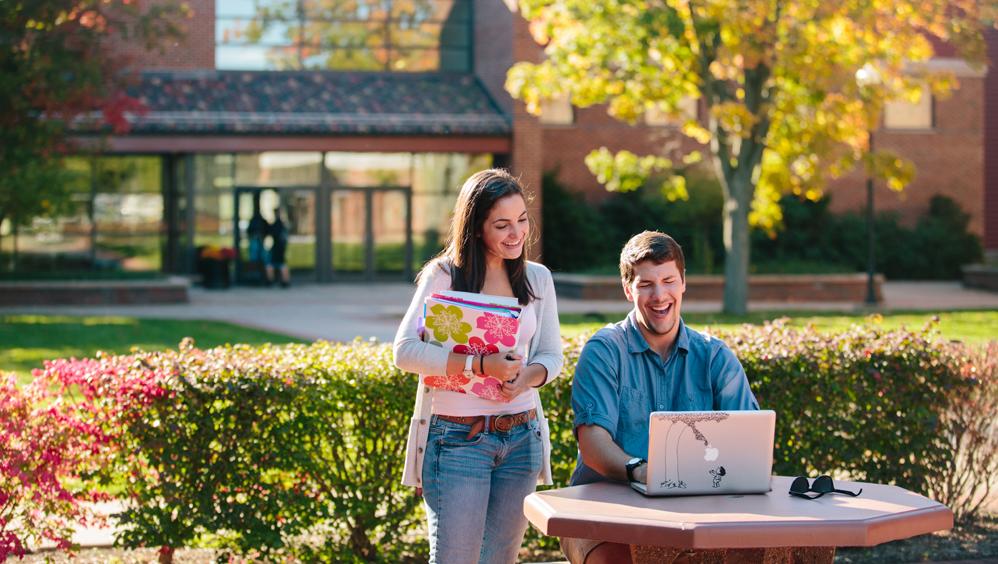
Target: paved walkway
(341,312)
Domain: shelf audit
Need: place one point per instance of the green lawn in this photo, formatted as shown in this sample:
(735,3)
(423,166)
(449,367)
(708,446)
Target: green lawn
(27,340)
(969,326)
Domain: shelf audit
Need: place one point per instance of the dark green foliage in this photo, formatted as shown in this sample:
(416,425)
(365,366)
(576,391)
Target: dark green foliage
(935,248)
(575,235)
(583,238)
(939,245)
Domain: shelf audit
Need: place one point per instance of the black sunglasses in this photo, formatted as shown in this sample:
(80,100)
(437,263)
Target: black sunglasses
(821,486)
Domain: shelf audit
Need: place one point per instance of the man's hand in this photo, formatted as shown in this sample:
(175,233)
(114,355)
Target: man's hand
(641,473)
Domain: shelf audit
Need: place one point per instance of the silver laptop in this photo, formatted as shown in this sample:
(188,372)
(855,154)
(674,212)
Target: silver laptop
(709,452)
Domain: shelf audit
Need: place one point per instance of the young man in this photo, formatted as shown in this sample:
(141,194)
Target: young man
(648,362)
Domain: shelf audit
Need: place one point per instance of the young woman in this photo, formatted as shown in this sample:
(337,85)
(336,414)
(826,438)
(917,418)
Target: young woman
(476,459)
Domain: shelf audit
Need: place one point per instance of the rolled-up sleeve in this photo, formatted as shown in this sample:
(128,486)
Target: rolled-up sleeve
(409,352)
(595,388)
(730,382)
(546,346)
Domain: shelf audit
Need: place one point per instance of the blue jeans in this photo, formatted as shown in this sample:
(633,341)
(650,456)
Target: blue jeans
(473,491)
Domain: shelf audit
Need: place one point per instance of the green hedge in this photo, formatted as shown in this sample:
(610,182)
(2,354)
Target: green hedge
(298,449)
(583,237)
(293,448)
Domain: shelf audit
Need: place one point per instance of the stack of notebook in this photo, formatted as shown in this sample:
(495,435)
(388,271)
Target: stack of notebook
(473,324)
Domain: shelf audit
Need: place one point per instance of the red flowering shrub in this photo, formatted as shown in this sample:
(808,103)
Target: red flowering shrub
(253,446)
(48,453)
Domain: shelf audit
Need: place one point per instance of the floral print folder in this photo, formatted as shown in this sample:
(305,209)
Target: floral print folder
(474,324)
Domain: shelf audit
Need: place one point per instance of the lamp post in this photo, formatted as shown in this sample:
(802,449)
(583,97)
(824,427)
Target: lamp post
(871,233)
(868,76)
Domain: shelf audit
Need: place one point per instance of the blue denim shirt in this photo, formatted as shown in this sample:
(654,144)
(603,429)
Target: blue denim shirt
(620,380)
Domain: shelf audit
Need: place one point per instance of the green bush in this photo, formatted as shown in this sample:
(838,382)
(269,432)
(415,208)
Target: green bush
(582,237)
(294,448)
(935,248)
(297,451)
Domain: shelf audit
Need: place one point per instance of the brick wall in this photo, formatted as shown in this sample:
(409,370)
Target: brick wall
(527,158)
(990,202)
(948,160)
(195,50)
(493,48)
(566,147)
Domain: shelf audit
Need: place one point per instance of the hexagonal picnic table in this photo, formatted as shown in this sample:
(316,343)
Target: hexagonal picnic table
(774,527)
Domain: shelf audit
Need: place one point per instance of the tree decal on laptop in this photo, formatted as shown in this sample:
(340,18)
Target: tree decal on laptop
(679,425)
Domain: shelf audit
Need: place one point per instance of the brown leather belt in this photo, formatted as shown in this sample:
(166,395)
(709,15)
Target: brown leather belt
(502,423)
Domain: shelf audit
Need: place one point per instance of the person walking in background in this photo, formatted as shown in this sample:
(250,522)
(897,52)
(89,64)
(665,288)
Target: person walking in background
(256,232)
(476,459)
(277,262)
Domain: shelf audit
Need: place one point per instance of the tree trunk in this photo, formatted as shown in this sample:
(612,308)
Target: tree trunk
(736,246)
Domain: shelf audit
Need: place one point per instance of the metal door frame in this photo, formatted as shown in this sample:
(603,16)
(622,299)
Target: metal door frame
(370,274)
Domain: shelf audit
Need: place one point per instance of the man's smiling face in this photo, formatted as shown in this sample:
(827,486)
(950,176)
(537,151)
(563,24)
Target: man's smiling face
(657,295)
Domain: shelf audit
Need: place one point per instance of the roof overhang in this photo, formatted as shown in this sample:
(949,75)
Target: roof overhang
(147,144)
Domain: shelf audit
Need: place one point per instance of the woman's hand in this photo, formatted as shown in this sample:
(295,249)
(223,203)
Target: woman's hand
(503,366)
(530,376)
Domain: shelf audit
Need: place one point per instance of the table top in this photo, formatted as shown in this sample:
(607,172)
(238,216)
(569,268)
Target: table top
(614,512)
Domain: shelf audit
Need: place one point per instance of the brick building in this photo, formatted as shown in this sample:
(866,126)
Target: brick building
(360,127)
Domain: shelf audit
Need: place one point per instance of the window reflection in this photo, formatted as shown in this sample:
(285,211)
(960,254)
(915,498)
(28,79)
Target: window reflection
(399,35)
(114,220)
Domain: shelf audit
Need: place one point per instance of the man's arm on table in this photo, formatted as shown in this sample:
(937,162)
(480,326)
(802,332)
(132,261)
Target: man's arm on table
(595,398)
(600,453)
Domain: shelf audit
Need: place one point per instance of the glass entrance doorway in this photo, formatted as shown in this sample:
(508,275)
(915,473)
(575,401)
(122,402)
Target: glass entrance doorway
(256,210)
(371,233)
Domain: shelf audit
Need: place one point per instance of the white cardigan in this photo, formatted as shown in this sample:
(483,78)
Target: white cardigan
(413,355)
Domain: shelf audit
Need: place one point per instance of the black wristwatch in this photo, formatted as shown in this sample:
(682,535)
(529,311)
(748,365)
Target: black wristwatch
(632,465)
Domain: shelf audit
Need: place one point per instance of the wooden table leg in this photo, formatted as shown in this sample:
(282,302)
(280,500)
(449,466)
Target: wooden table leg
(783,555)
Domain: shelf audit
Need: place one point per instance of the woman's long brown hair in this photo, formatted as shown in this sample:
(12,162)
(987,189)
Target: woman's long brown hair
(464,257)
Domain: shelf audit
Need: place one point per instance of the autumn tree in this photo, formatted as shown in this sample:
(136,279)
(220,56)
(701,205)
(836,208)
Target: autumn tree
(59,64)
(782,110)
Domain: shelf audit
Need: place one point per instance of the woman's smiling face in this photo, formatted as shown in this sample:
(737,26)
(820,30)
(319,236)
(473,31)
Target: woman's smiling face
(505,230)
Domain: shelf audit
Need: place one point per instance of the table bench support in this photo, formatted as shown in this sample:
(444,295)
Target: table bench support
(641,554)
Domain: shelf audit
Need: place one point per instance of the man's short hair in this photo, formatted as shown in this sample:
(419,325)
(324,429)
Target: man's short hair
(650,245)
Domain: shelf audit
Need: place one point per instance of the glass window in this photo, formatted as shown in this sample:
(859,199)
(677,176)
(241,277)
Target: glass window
(128,211)
(557,111)
(902,114)
(113,221)
(370,169)
(687,110)
(277,169)
(398,35)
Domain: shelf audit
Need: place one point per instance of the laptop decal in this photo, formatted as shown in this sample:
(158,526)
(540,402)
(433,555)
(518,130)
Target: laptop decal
(678,425)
